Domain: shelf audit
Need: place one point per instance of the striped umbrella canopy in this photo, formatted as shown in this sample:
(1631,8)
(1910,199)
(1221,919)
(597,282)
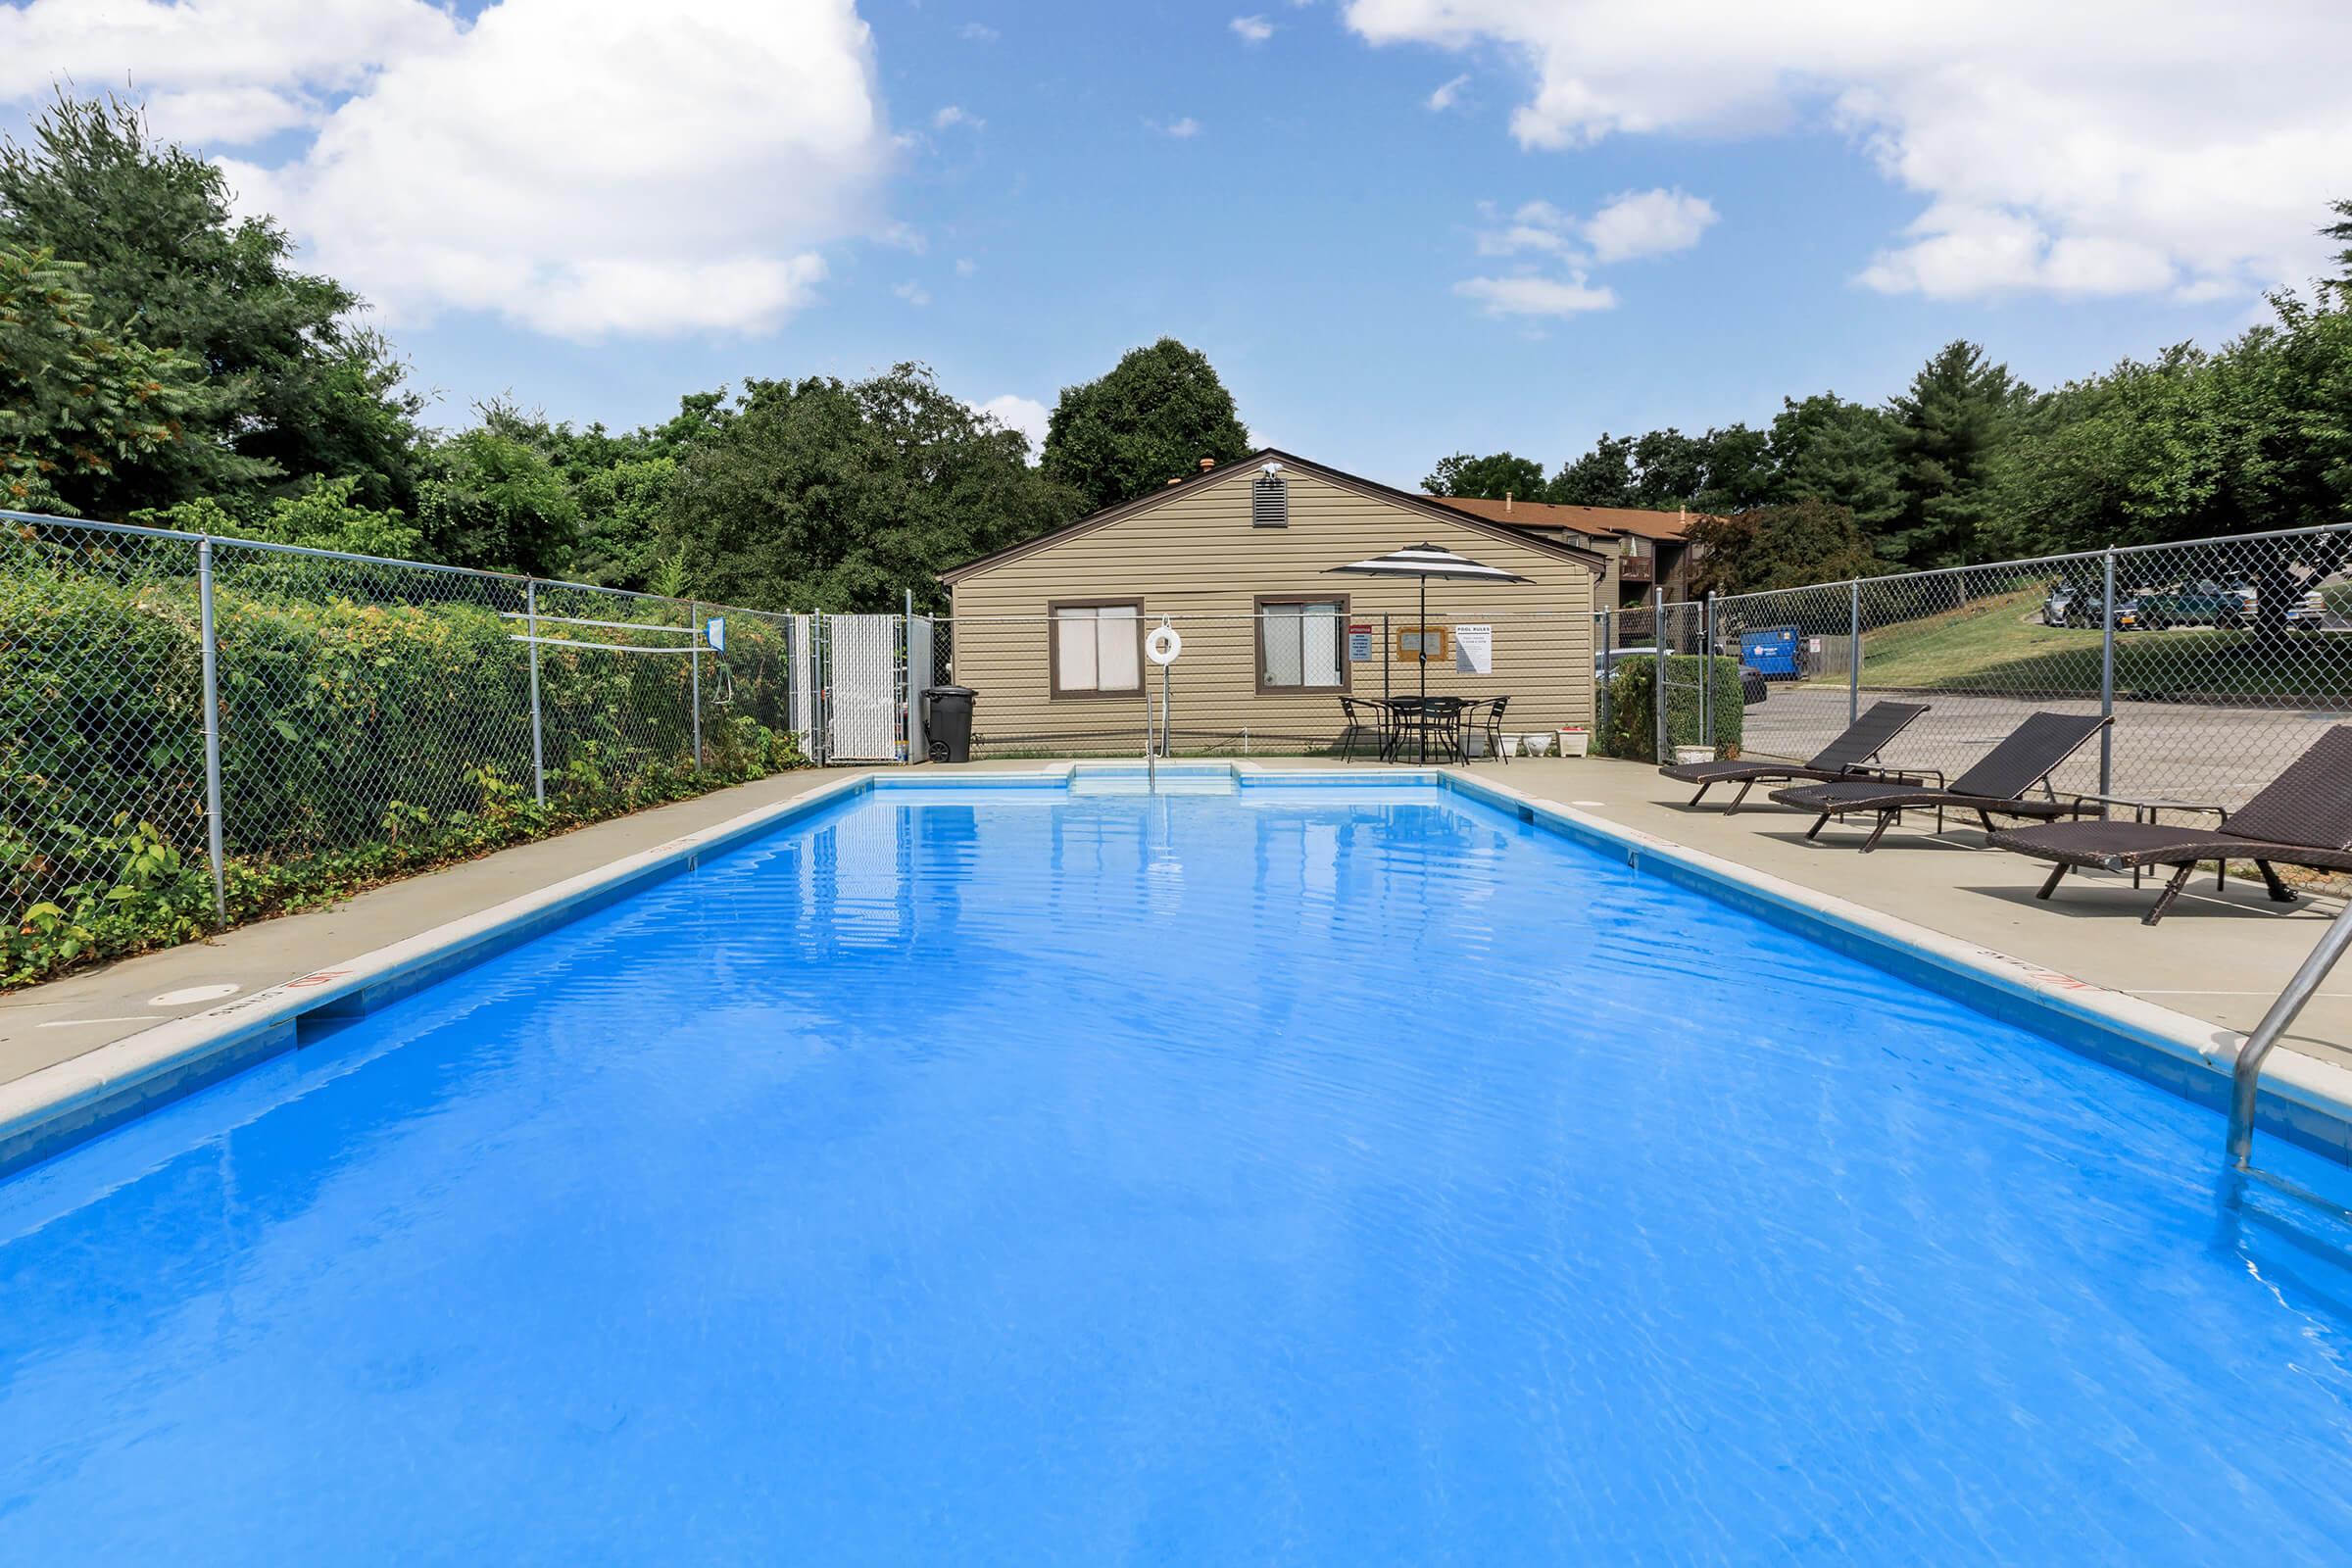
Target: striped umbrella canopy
(1426,560)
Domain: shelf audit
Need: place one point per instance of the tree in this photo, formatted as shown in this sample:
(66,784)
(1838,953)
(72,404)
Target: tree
(1670,469)
(1151,418)
(284,386)
(495,501)
(1788,546)
(76,401)
(323,516)
(840,495)
(1948,428)
(1736,470)
(1827,449)
(1487,479)
(1601,478)
(2341,229)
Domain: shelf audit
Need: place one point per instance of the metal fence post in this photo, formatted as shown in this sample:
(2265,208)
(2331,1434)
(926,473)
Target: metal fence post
(212,732)
(530,620)
(694,664)
(2107,677)
(1706,672)
(1657,670)
(1854,651)
(1604,671)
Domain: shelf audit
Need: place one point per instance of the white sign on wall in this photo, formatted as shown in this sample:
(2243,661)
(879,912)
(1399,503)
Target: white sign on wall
(1474,650)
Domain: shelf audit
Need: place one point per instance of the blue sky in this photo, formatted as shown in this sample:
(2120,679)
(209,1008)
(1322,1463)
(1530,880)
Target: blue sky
(596,208)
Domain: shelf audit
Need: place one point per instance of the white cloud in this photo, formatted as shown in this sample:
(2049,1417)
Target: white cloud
(954,115)
(977,32)
(1025,415)
(1648,223)
(912,292)
(1443,98)
(1537,296)
(1251,29)
(2113,146)
(580,166)
(965,266)
(1178,128)
(221,73)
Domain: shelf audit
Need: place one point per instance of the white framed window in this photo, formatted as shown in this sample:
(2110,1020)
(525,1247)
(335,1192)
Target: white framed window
(1097,648)
(1302,644)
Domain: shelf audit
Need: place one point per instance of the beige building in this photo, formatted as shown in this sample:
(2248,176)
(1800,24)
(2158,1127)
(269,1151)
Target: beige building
(1236,559)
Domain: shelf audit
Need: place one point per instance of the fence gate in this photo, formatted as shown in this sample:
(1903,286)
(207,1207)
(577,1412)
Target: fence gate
(920,677)
(1681,683)
(864,696)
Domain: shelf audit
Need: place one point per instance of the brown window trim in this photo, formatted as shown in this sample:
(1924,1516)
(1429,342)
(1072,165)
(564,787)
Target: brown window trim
(1054,690)
(1259,642)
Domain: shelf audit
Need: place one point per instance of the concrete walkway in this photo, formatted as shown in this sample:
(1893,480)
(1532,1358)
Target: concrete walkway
(2217,959)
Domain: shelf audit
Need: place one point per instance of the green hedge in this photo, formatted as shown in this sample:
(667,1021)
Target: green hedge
(361,740)
(1632,729)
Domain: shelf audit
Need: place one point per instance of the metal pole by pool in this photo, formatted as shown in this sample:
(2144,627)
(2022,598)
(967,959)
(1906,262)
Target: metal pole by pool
(2245,1078)
(530,620)
(1657,671)
(694,660)
(1422,659)
(1854,651)
(2107,678)
(212,730)
(1706,673)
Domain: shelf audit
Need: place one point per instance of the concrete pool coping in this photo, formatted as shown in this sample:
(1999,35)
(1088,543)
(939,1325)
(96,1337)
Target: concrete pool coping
(2306,1100)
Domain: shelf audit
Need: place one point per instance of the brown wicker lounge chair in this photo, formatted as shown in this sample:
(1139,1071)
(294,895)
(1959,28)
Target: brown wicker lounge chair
(1997,784)
(1845,757)
(2302,817)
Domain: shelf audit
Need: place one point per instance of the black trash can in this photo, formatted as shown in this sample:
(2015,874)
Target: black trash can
(947,720)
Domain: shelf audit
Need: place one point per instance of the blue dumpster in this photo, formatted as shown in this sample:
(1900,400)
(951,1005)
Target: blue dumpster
(1774,653)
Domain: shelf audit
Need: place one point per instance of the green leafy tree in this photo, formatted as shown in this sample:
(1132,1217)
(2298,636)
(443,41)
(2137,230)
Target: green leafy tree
(285,387)
(839,495)
(1824,447)
(623,508)
(1489,478)
(1948,428)
(2341,229)
(77,401)
(1670,469)
(1779,547)
(1151,418)
(1736,472)
(323,516)
(1601,478)
(493,501)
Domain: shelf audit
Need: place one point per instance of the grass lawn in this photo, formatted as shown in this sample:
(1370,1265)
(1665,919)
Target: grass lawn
(1998,644)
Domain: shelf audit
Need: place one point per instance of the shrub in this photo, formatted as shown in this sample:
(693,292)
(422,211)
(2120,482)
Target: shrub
(361,741)
(1632,730)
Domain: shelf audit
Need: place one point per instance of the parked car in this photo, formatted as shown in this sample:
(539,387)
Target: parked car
(2072,605)
(2196,604)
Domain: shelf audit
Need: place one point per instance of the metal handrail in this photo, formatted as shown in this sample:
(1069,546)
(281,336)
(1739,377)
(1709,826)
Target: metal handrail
(2245,1078)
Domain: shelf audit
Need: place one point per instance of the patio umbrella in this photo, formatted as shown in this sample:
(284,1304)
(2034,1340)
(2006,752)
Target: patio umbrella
(1427,560)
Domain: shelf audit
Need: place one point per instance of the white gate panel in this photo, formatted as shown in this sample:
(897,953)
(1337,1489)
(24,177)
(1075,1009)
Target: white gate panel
(804,682)
(863,698)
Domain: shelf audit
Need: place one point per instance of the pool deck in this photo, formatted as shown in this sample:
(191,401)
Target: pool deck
(2216,958)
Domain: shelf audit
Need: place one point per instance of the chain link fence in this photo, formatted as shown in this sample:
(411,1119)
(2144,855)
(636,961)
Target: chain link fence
(365,716)
(2221,659)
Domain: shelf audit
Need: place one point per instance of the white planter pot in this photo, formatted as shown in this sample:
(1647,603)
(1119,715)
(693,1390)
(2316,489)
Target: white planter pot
(1575,742)
(1510,746)
(1537,744)
(1694,754)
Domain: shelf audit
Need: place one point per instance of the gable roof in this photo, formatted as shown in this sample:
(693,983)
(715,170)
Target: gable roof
(1248,465)
(1599,521)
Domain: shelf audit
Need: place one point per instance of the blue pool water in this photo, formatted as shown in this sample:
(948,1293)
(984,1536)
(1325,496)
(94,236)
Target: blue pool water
(1004,1176)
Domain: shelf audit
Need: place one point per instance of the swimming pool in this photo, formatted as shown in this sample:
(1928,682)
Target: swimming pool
(1326,1174)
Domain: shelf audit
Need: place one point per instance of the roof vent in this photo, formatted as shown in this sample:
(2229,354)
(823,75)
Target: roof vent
(1269,501)
(1207,463)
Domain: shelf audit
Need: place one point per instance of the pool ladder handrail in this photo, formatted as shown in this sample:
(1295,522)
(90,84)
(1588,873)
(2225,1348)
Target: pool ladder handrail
(2245,1077)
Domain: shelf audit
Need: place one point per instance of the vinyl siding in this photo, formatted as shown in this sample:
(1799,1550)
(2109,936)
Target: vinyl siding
(1196,559)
